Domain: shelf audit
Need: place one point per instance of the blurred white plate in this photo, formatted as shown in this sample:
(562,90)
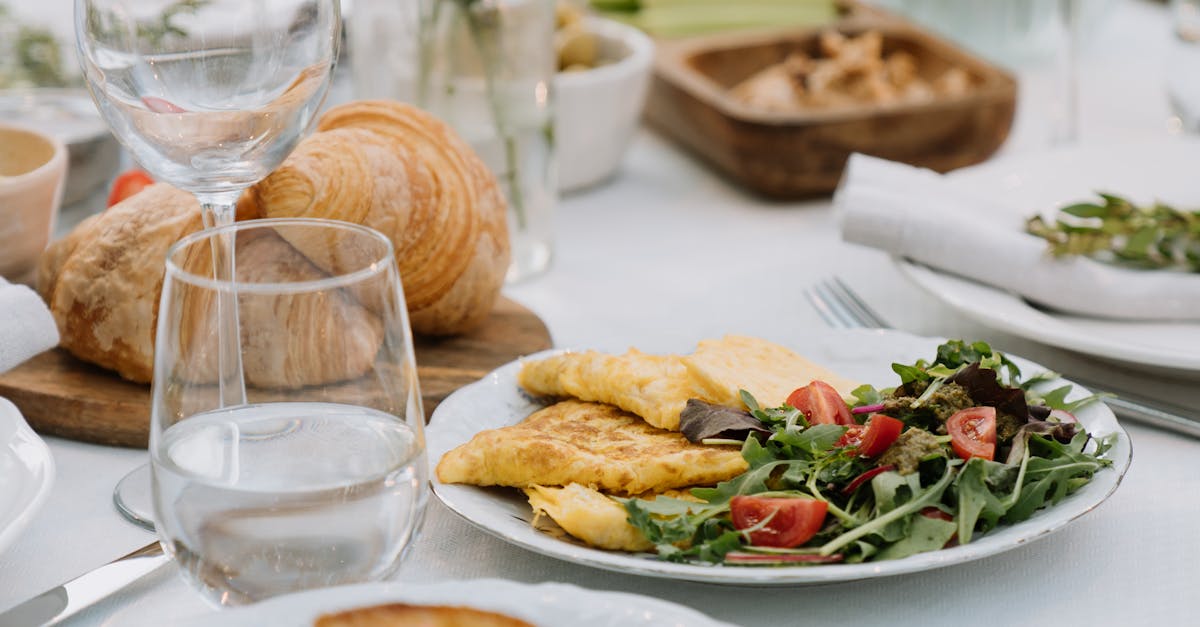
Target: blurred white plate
(26,473)
(547,604)
(1144,172)
(495,401)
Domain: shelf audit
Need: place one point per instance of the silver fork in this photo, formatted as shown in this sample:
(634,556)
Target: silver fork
(841,308)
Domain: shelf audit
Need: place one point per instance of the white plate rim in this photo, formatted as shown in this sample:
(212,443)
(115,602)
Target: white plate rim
(459,498)
(527,601)
(1055,331)
(31,454)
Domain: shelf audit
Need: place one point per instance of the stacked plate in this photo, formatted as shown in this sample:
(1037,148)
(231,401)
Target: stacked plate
(1144,172)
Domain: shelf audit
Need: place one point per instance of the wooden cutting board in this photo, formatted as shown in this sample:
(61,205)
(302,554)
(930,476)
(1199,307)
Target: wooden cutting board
(62,396)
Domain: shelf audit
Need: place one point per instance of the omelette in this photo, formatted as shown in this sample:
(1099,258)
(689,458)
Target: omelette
(589,516)
(655,387)
(598,446)
(719,368)
(593,517)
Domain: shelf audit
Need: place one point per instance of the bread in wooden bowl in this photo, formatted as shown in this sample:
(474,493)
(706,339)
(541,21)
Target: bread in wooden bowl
(782,146)
(404,615)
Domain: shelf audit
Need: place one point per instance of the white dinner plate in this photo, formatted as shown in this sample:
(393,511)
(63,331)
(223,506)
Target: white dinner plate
(495,401)
(545,605)
(1145,172)
(26,473)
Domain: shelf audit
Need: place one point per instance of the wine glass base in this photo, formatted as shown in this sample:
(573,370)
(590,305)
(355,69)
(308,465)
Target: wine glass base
(133,499)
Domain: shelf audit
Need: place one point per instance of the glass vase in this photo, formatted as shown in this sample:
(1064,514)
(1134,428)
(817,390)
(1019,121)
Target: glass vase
(486,67)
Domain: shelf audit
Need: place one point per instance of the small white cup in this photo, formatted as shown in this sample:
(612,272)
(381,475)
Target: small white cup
(33,170)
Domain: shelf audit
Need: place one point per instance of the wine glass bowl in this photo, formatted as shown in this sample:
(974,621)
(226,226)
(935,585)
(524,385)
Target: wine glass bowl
(319,478)
(208,95)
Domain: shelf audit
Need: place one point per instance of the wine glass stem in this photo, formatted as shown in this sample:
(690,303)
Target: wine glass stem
(219,209)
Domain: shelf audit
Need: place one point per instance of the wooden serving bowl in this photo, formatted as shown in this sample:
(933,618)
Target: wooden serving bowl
(797,154)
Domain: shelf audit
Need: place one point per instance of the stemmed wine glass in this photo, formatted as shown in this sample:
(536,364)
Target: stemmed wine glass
(209,96)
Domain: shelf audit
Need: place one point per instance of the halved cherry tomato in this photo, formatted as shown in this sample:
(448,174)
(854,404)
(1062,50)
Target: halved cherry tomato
(821,404)
(852,437)
(882,431)
(793,521)
(128,184)
(973,432)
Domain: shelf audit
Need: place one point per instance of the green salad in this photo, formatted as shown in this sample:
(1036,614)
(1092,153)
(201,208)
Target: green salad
(962,444)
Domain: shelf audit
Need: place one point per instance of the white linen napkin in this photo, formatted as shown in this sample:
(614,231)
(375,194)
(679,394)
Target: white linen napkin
(26,325)
(917,214)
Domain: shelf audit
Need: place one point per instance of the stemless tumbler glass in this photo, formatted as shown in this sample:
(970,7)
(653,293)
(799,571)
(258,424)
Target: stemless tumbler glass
(319,478)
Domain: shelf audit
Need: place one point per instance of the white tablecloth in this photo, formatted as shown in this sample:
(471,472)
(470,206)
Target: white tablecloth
(669,251)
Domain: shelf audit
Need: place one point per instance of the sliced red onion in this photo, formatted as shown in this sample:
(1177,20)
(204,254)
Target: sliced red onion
(739,557)
(1061,416)
(866,409)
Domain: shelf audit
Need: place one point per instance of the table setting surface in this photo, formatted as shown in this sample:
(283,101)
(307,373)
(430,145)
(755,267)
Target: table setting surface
(669,252)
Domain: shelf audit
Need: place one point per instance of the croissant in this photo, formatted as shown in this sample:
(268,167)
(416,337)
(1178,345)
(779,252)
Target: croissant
(335,339)
(401,171)
(102,283)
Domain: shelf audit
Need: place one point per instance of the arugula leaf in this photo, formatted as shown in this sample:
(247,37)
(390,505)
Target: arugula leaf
(773,416)
(929,496)
(866,394)
(892,490)
(814,440)
(1057,398)
(658,530)
(908,374)
(1051,473)
(924,534)
(975,488)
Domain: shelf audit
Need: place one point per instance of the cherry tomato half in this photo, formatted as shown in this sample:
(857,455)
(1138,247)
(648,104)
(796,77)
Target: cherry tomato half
(882,431)
(821,404)
(852,437)
(973,432)
(793,521)
(128,184)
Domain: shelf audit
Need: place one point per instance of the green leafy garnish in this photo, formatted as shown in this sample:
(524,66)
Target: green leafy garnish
(1119,231)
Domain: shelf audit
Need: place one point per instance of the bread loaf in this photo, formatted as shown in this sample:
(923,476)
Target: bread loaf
(399,170)
(384,165)
(103,281)
(405,615)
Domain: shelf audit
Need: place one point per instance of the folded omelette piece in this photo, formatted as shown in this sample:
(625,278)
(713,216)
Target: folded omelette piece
(589,516)
(718,369)
(593,517)
(595,445)
(655,387)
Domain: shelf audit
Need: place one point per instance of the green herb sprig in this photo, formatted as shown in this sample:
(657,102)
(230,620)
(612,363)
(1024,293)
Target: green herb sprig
(1117,230)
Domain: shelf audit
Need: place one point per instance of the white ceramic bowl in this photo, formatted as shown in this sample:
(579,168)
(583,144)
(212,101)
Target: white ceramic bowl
(598,110)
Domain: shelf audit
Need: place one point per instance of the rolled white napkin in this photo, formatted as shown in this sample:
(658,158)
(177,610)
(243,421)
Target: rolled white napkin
(26,325)
(917,214)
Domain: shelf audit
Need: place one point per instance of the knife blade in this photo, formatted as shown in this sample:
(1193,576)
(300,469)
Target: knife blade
(1144,410)
(60,602)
